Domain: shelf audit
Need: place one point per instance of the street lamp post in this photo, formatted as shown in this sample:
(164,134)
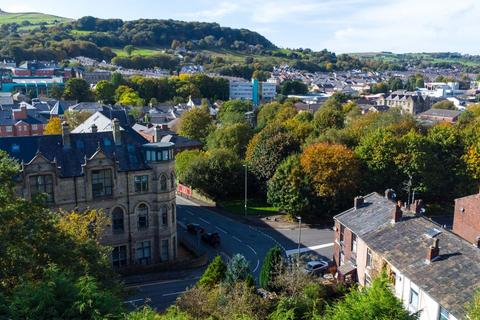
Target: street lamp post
(299,238)
(246,208)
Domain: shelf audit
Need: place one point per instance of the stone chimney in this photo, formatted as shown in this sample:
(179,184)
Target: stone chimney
(116,132)
(397,213)
(65,135)
(358,202)
(158,133)
(433,251)
(390,194)
(164,126)
(94,128)
(417,207)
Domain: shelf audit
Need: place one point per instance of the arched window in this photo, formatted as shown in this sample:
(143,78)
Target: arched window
(173,213)
(142,212)
(163,183)
(172,180)
(117,220)
(164,216)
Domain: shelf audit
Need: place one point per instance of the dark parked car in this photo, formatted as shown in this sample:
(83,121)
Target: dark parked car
(195,228)
(212,238)
(317,268)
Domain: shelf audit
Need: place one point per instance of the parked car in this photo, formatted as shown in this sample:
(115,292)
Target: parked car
(212,238)
(195,228)
(316,267)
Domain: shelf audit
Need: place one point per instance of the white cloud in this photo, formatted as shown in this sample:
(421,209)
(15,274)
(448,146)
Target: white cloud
(17,7)
(218,11)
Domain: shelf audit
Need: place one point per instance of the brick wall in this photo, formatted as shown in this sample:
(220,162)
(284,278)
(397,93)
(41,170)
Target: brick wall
(466,221)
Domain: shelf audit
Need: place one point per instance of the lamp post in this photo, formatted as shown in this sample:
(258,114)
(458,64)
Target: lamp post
(246,208)
(299,238)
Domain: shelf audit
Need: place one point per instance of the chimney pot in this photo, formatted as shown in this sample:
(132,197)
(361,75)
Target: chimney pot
(116,132)
(65,135)
(397,213)
(390,194)
(358,202)
(433,251)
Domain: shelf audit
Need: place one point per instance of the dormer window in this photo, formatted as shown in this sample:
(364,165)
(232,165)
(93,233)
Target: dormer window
(102,183)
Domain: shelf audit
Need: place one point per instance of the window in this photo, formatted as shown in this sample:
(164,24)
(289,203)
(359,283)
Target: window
(142,212)
(164,216)
(413,300)
(119,256)
(368,279)
(34,127)
(42,185)
(165,155)
(143,252)
(9,128)
(164,250)
(172,180)
(102,183)
(117,220)
(173,213)
(369,258)
(163,183)
(342,233)
(141,183)
(443,314)
(354,243)
(342,258)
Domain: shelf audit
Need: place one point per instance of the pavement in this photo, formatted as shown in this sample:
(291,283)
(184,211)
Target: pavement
(237,236)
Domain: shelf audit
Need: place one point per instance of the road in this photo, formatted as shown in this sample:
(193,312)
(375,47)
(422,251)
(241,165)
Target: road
(236,237)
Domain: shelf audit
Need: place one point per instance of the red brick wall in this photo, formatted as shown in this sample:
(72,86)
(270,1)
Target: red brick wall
(347,244)
(467,223)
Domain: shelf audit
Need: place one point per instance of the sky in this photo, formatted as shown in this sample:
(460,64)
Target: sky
(341,26)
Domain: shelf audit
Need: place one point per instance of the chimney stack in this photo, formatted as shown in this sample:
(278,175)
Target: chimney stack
(397,213)
(164,126)
(158,133)
(357,202)
(94,128)
(65,135)
(116,132)
(433,251)
(417,206)
(390,194)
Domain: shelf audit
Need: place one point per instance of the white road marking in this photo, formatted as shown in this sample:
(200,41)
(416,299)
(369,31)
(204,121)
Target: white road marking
(172,293)
(204,220)
(160,282)
(181,224)
(133,301)
(255,252)
(220,229)
(236,239)
(256,267)
(320,246)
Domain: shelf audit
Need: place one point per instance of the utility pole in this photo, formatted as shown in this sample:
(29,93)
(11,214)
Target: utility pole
(299,238)
(246,208)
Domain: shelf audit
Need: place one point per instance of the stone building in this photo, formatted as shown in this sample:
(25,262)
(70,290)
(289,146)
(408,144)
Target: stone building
(432,270)
(132,180)
(408,102)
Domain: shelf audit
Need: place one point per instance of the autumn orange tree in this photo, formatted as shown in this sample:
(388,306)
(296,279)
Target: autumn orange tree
(333,171)
(54,126)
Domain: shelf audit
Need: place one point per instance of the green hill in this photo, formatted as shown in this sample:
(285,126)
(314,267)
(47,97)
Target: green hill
(34,18)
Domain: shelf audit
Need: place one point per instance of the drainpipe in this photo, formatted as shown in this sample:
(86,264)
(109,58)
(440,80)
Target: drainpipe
(129,225)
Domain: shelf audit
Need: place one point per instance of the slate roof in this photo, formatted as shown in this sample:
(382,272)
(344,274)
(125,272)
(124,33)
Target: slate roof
(444,113)
(128,155)
(57,109)
(374,213)
(181,142)
(450,280)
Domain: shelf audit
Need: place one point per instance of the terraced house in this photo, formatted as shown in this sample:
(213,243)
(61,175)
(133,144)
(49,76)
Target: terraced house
(118,171)
(433,271)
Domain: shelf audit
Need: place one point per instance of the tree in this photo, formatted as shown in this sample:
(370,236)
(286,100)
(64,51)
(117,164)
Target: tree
(129,49)
(287,189)
(117,79)
(77,89)
(267,149)
(327,118)
(196,124)
(131,98)
(217,175)
(289,87)
(444,104)
(333,169)
(234,137)
(267,114)
(183,160)
(105,92)
(54,126)
(234,106)
(370,303)
(214,274)
(75,118)
(271,267)
(237,270)
(473,308)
